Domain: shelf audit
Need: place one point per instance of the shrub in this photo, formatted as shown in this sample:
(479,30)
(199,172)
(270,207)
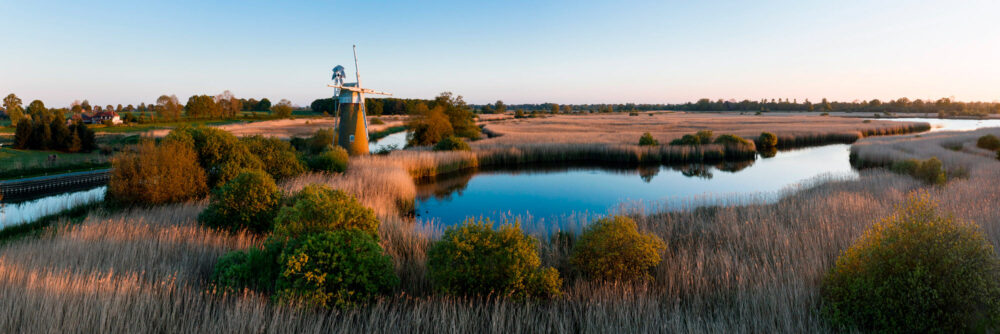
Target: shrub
(915,272)
(452,143)
(334,161)
(989,142)
(156,174)
(377,121)
(221,154)
(633,114)
(277,156)
(247,202)
(648,140)
(930,171)
(731,140)
(614,249)
(428,126)
(474,259)
(767,140)
(339,269)
(255,269)
(701,137)
(321,140)
(317,208)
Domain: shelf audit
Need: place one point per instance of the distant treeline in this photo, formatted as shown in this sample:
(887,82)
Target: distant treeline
(944,106)
(377,106)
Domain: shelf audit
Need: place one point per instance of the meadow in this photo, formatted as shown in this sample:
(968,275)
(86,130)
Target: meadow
(747,267)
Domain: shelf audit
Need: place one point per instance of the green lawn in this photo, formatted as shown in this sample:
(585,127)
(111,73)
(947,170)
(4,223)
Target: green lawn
(25,163)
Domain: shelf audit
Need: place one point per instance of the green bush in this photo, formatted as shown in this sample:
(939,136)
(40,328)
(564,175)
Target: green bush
(452,143)
(334,160)
(613,249)
(701,137)
(767,140)
(989,142)
(221,154)
(474,259)
(731,140)
(648,140)
(930,171)
(255,269)
(321,140)
(276,155)
(341,269)
(916,272)
(317,209)
(249,201)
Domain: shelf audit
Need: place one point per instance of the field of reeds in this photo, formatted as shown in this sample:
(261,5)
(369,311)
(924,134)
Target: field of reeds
(793,130)
(748,267)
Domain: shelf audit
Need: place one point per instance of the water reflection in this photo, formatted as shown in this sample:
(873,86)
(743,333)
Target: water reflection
(550,191)
(19,213)
(951,124)
(388,143)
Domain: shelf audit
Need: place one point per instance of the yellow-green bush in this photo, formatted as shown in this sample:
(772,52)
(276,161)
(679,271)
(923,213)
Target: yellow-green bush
(648,140)
(767,141)
(277,156)
(916,272)
(930,171)
(613,249)
(452,143)
(342,269)
(731,140)
(475,260)
(988,142)
(334,160)
(249,201)
(317,209)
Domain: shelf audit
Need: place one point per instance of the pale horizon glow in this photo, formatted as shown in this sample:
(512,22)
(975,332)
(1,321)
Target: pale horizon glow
(572,52)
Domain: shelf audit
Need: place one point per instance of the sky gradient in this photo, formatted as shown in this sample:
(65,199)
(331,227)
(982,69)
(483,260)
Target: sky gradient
(575,52)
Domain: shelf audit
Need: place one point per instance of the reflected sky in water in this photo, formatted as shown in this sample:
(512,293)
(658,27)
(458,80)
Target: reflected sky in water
(552,192)
(951,124)
(18,213)
(394,141)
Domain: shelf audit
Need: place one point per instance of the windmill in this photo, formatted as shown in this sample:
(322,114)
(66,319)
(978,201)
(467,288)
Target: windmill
(352,134)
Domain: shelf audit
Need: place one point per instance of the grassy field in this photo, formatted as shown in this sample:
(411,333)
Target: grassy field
(623,129)
(299,127)
(26,163)
(735,268)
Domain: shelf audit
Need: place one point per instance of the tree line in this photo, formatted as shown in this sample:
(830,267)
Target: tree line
(943,106)
(375,106)
(166,108)
(40,128)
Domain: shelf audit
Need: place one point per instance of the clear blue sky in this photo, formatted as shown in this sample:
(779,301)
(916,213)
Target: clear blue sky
(518,51)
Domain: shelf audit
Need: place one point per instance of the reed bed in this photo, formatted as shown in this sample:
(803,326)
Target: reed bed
(740,267)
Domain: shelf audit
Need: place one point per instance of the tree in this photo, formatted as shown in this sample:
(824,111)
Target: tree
(37,109)
(809,106)
(228,104)
(428,126)
(201,106)
(500,107)
(555,108)
(86,105)
(264,105)
(459,115)
(12,104)
(168,107)
(283,109)
(826,105)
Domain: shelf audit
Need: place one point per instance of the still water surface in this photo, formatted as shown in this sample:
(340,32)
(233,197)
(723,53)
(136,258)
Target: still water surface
(19,213)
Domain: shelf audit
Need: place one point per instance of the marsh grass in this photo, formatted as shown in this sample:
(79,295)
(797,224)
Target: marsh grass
(742,266)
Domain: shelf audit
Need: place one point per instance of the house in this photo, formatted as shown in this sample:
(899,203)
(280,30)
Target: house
(99,117)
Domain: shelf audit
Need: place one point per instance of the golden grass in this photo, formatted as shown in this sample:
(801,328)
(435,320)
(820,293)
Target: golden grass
(287,128)
(624,129)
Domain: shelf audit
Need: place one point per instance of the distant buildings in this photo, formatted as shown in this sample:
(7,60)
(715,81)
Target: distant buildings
(96,117)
